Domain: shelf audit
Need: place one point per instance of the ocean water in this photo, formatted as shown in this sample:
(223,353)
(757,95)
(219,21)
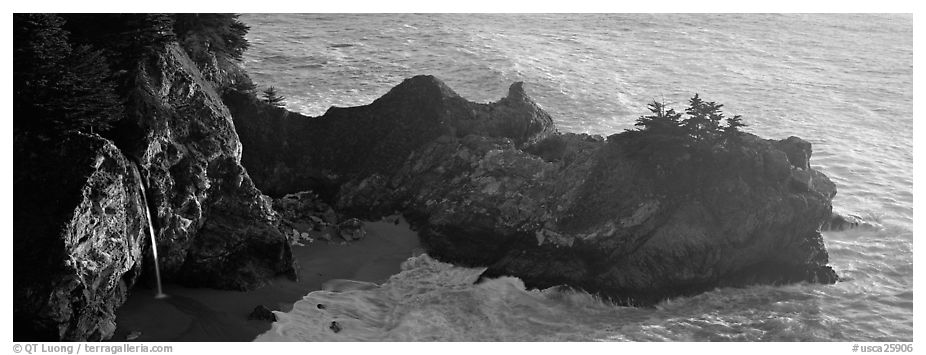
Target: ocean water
(843,82)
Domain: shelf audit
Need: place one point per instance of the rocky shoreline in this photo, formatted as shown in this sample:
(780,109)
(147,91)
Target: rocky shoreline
(491,185)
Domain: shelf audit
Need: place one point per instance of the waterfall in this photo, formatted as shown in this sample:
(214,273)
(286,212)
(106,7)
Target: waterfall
(154,242)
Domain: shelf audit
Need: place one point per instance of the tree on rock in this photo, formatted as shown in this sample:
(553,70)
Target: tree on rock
(704,119)
(702,127)
(661,120)
(271,97)
(732,130)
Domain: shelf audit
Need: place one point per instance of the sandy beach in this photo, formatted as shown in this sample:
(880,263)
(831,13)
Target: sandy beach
(199,314)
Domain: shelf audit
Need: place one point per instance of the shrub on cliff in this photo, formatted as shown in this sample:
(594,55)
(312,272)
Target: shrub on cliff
(201,34)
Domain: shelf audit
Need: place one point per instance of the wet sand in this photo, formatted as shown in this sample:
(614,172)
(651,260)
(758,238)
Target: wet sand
(199,314)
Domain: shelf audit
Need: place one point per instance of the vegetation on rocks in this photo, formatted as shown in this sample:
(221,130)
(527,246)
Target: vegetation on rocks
(74,72)
(272,97)
(704,124)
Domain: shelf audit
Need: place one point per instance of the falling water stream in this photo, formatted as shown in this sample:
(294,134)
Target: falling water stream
(154,243)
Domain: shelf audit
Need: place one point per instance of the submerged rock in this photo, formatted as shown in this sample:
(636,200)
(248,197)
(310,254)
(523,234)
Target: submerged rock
(840,222)
(335,327)
(637,217)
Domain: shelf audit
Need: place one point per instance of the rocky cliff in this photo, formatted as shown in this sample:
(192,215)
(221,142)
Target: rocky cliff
(287,152)
(214,227)
(79,238)
(636,217)
(79,219)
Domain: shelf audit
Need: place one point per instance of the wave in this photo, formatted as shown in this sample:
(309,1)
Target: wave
(430,300)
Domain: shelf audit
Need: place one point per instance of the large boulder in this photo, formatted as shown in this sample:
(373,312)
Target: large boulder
(79,234)
(637,217)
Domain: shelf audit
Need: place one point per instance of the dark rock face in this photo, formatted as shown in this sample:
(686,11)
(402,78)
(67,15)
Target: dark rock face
(214,227)
(263,313)
(80,226)
(287,152)
(79,237)
(633,227)
(637,217)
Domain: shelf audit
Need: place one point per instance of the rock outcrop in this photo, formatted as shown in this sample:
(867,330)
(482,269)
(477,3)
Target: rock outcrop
(79,237)
(287,152)
(636,217)
(215,229)
(306,218)
(79,220)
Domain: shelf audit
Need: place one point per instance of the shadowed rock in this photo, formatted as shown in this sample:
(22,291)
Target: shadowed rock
(214,228)
(287,152)
(263,313)
(78,238)
(638,217)
(79,222)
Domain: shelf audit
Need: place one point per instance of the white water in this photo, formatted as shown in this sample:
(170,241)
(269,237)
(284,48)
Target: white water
(154,242)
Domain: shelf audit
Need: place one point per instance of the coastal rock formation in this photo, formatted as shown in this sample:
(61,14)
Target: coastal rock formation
(215,229)
(79,222)
(631,217)
(287,152)
(79,238)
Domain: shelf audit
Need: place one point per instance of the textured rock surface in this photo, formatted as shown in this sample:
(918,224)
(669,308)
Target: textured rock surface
(79,237)
(79,218)
(287,152)
(635,217)
(631,226)
(305,218)
(214,227)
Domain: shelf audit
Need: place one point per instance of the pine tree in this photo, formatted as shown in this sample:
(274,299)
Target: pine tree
(697,120)
(732,130)
(57,88)
(271,97)
(661,120)
(704,121)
